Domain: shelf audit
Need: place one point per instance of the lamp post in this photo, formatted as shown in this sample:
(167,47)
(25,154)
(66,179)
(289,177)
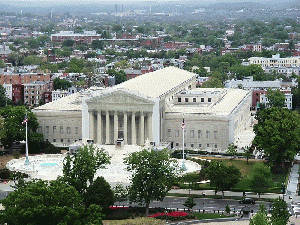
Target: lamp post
(183,126)
(26,144)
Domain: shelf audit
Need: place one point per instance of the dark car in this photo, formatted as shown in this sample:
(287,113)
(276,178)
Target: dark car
(247,201)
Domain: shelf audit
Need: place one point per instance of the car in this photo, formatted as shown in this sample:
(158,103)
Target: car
(247,201)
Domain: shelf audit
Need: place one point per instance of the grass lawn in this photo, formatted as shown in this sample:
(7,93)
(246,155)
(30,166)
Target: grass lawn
(137,221)
(202,216)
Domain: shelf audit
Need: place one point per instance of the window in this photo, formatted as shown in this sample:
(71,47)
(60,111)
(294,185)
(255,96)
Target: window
(199,134)
(76,130)
(54,140)
(68,130)
(169,132)
(209,99)
(184,144)
(61,140)
(192,145)
(202,99)
(177,144)
(215,134)
(69,141)
(194,99)
(207,134)
(216,146)
(179,99)
(207,145)
(176,133)
(54,129)
(186,100)
(47,129)
(61,130)
(199,145)
(191,133)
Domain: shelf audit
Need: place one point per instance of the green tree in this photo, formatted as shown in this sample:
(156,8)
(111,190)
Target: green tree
(227,209)
(222,177)
(231,150)
(120,76)
(121,192)
(97,44)
(260,218)
(13,118)
(2,64)
(261,178)
(68,43)
(61,84)
(213,83)
(278,134)
(247,153)
(153,173)
(190,203)
(80,169)
(276,98)
(279,212)
(99,193)
(40,202)
(32,60)
(4,100)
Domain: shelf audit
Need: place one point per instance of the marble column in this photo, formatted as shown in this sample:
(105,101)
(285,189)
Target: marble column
(142,129)
(99,128)
(115,126)
(149,122)
(133,131)
(107,141)
(125,128)
(91,123)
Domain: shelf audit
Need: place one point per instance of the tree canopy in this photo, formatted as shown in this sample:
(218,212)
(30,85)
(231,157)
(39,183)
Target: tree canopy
(279,212)
(222,177)
(261,178)
(40,202)
(153,173)
(4,100)
(276,98)
(61,84)
(79,169)
(278,134)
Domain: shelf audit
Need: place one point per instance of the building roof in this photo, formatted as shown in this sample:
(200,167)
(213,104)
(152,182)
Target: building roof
(158,83)
(224,106)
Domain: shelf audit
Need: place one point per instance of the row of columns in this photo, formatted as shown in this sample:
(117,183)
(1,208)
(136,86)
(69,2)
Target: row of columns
(95,129)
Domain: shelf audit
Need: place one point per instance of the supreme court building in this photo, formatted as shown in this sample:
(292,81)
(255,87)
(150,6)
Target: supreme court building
(150,106)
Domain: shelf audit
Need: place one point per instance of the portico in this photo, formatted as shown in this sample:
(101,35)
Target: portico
(119,114)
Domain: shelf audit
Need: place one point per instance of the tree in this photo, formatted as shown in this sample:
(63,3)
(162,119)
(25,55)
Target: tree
(97,44)
(61,84)
(40,202)
(227,209)
(79,169)
(13,118)
(32,60)
(213,83)
(261,178)
(4,100)
(153,173)
(278,134)
(68,43)
(99,193)
(190,203)
(121,193)
(120,76)
(231,150)
(222,177)
(276,98)
(247,153)
(260,218)
(2,64)
(279,212)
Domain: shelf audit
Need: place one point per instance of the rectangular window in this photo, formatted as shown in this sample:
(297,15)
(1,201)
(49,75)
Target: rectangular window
(54,140)
(177,144)
(194,99)
(207,134)
(209,99)
(47,129)
(199,133)
(215,134)
(207,145)
(68,130)
(176,133)
(61,140)
(54,129)
(169,132)
(216,146)
(199,145)
(191,133)
(186,99)
(192,145)
(76,130)
(69,141)
(202,99)
(179,99)
(61,130)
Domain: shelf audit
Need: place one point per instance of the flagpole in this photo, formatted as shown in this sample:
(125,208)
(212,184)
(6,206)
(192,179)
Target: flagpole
(183,126)
(27,160)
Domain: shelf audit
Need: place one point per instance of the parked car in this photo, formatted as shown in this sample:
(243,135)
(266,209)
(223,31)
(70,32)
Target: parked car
(247,201)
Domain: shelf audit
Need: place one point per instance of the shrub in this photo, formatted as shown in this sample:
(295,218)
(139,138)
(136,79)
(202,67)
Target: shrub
(16,154)
(173,216)
(4,173)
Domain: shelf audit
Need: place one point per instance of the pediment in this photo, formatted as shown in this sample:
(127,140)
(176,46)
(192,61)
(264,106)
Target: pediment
(120,97)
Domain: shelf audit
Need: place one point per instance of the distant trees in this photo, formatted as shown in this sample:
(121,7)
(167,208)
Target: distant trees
(261,178)
(61,84)
(120,76)
(276,98)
